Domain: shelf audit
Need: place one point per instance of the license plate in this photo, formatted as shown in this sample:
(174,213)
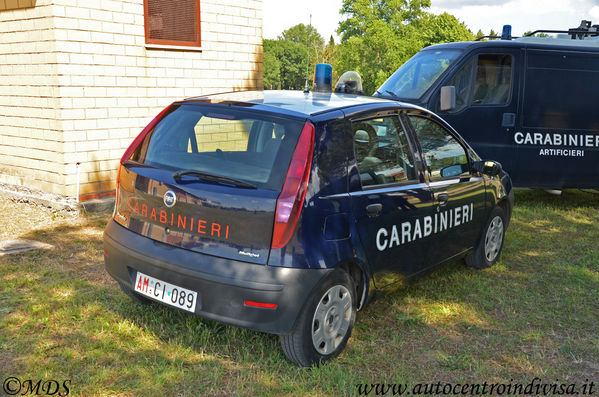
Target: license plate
(166,292)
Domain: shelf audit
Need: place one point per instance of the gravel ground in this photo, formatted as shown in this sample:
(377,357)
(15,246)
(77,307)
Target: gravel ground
(20,218)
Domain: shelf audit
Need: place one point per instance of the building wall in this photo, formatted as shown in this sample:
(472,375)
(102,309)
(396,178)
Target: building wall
(31,141)
(107,85)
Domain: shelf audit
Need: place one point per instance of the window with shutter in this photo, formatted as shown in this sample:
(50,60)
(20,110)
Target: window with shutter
(173,22)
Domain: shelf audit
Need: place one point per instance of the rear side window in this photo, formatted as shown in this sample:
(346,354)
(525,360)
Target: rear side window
(382,151)
(222,141)
(445,157)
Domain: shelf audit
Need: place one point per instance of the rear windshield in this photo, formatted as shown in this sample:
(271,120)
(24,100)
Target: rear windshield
(222,141)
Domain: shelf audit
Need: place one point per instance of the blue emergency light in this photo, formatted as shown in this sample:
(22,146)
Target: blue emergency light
(323,76)
(506,34)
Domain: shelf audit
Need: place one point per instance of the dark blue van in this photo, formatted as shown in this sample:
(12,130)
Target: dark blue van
(529,103)
(279,211)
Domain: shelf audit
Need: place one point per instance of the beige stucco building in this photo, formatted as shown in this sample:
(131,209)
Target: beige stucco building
(79,79)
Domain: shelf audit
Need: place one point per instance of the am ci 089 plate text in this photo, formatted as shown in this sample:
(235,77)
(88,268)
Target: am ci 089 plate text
(166,292)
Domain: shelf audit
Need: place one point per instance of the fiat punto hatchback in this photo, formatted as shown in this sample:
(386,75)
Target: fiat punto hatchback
(281,211)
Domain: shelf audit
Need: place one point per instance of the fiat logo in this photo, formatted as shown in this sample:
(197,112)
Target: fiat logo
(170,198)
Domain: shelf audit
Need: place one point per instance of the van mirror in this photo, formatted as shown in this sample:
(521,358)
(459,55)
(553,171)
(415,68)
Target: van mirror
(448,98)
(452,170)
(488,167)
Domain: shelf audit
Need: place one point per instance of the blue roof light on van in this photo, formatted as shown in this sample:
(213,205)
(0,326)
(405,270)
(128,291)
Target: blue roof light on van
(506,34)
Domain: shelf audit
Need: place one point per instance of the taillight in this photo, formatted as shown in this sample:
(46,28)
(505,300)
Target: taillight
(136,142)
(291,199)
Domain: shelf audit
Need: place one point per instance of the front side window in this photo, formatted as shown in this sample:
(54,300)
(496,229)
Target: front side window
(445,157)
(173,22)
(382,151)
(484,80)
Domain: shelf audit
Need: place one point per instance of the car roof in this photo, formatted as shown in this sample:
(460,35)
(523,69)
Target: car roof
(295,103)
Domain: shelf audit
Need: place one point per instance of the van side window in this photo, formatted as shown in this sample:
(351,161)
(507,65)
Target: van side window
(484,80)
(445,157)
(382,151)
(493,79)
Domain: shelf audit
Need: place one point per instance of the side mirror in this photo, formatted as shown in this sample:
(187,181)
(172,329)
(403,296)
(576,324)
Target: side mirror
(448,98)
(488,167)
(452,170)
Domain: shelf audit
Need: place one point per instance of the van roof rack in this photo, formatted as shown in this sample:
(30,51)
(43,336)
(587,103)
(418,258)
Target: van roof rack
(586,29)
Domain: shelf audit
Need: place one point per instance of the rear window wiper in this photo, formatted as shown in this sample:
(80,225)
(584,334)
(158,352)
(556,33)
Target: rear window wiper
(212,178)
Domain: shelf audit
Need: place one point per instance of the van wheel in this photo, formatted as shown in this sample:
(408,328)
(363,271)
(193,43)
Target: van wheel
(325,323)
(136,297)
(491,242)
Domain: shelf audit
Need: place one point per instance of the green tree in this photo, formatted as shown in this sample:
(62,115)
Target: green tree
(480,33)
(271,65)
(304,34)
(393,13)
(444,28)
(307,36)
(284,64)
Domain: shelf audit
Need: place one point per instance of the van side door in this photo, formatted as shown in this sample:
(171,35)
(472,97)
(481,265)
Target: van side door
(390,199)
(558,134)
(486,85)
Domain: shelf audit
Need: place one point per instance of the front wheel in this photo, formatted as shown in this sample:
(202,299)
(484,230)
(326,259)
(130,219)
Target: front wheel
(490,245)
(325,323)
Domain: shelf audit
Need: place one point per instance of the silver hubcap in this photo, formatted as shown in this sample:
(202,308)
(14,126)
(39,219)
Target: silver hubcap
(494,238)
(331,319)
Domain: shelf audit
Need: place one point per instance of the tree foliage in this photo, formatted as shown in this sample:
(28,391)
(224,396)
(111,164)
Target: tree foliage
(284,64)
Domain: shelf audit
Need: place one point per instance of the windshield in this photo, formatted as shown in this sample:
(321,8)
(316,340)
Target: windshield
(418,74)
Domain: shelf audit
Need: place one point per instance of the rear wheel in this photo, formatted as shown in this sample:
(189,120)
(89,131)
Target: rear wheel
(325,323)
(489,248)
(136,297)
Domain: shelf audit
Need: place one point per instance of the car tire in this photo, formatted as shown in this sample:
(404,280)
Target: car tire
(136,297)
(325,322)
(489,247)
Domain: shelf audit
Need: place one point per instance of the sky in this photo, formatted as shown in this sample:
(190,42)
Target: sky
(523,15)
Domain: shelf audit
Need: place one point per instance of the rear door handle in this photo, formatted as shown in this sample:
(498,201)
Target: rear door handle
(442,199)
(374,210)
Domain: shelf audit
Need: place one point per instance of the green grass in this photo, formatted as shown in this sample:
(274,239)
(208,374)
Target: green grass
(534,314)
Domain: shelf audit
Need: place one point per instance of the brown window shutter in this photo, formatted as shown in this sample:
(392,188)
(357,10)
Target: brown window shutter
(172,22)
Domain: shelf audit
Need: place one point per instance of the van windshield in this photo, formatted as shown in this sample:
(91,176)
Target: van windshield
(418,74)
(215,141)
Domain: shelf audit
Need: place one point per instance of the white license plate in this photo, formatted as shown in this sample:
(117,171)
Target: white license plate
(165,292)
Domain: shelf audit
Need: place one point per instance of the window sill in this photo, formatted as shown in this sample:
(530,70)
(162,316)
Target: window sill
(172,47)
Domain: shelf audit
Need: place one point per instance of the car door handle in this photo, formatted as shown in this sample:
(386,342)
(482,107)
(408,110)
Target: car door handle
(373,210)
(442,199)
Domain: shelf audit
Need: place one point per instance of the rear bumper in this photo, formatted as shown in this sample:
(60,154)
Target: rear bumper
(222,284)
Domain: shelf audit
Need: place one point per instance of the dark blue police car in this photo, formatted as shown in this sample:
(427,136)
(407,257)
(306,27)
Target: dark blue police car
(280,211)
